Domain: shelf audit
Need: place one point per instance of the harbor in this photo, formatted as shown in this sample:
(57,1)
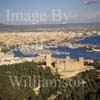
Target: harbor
(83,50)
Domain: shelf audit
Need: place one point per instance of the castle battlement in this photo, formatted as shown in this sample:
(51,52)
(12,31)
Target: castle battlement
(67,67)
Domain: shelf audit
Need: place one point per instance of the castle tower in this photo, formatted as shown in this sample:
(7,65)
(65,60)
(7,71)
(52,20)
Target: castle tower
(81,61)
(48,60)
(67,62)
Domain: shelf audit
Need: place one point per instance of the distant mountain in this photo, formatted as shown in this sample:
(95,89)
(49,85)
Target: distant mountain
(50,27)
(2,24)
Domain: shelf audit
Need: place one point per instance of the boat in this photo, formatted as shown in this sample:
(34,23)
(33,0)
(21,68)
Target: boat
(96,50)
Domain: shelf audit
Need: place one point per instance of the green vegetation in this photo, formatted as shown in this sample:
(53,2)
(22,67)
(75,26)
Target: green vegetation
(12,46)
(90,90)
(96,64)
(5,49)
(8,92)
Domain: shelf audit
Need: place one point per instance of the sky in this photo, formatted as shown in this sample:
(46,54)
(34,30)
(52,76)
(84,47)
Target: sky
(49,11)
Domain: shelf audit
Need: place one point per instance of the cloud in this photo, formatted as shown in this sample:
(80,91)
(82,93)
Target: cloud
(91,1)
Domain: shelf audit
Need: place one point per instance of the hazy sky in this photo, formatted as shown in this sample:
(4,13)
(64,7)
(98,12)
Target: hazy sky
(75,11)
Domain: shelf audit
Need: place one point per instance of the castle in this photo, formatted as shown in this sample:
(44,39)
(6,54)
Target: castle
(68,67)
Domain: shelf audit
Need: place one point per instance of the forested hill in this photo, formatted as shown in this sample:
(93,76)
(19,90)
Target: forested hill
(90,90)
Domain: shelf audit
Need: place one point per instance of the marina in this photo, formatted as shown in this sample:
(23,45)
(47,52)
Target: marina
(62,51)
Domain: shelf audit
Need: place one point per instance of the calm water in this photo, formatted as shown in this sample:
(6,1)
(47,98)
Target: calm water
(18,53)
(91,40)
(79,52)
(74,53)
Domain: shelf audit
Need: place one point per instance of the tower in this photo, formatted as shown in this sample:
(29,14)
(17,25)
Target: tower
(48,60)
(81,61)
(67,62)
